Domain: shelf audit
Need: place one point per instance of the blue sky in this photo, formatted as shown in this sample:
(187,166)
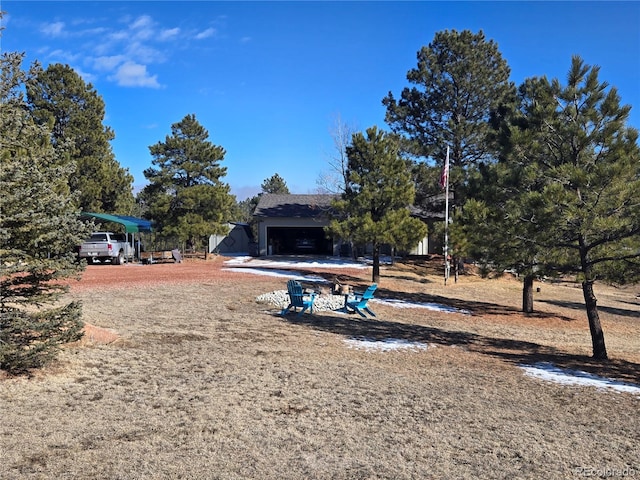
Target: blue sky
(268,79)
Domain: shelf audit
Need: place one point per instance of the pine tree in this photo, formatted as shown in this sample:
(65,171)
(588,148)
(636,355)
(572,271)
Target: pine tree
(491,230)
(461,79)
(39,229)
(572,168)
(460,84)
(73,110)
(375,206)
(186,196)
(275,184)
(245,208)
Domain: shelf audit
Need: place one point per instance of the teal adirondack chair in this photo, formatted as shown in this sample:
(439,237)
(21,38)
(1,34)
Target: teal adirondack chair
(360,302)
(299,299)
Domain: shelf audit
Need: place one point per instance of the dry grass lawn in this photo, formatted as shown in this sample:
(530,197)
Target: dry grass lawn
(183,375)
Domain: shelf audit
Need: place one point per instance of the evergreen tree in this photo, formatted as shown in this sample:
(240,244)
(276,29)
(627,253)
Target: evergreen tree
(375,206)
(186,196)
(570,184)
(461,79)
(275,184)
(39,229)
(245,209)
(73,110)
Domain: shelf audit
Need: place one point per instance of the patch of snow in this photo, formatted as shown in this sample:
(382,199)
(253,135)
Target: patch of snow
(384,260)
(429,306)
(272,272)
(329,262)
(551,373)
(385,345)
(237,260)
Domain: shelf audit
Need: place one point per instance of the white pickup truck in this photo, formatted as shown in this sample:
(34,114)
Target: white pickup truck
(107,246)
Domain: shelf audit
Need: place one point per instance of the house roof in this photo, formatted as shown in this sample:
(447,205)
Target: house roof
(274,205)
(293,205)
(431,208)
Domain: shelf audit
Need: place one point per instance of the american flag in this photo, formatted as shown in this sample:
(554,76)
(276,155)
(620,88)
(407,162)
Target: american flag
(444,177)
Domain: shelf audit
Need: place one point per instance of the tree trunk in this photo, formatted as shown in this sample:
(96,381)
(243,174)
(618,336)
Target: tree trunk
(527,294)
(376,264)
(456,272)
(597,335)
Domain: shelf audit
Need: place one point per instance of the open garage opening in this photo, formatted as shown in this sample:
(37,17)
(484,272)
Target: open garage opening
(298,241)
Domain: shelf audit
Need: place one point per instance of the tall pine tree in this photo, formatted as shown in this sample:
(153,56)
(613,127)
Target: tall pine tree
(375,206)
(459,85)
(73,110)
(186,195)
(39,229)
(460,80)
(570,179)
(275,184)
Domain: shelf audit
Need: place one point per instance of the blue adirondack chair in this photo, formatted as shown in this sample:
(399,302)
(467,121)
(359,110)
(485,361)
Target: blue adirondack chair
(360,302)
(299,299)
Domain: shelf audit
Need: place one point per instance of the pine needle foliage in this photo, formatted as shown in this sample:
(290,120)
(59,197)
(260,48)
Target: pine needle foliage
(565,196)
(59,98)
(39,230)
(459,82)
(186,196)
(375,206)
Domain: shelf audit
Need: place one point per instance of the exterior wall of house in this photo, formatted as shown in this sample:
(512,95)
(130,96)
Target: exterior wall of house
(422,248)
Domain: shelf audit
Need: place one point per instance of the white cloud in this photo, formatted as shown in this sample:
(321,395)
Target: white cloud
(209,32)
(55,29)
(144,53)
(124,53)
(119,36)
(131,74)
(168,34)
(143,28)
(108,62)
(65,56)
(142,22)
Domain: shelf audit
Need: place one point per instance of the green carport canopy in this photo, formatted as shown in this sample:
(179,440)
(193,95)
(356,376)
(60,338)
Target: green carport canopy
(131,224)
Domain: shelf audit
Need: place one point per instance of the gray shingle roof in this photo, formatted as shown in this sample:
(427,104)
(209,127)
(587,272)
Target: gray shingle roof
(293,205)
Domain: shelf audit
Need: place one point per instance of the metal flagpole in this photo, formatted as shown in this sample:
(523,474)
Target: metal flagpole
(447,265)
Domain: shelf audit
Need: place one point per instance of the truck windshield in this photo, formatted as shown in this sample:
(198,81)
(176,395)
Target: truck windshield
(98,237)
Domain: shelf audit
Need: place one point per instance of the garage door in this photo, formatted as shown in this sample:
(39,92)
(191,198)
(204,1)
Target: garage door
(298,241)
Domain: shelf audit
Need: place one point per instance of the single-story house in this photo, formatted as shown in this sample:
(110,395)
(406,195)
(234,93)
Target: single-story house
(290,224)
